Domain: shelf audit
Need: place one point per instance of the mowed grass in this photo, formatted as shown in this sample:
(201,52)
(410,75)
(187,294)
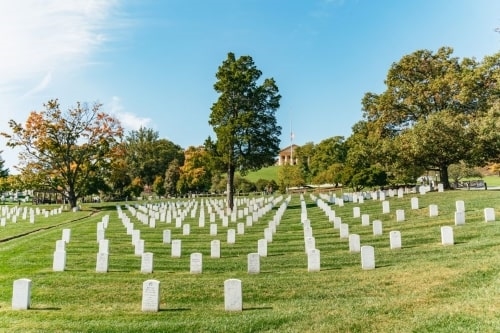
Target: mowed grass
(423,287)
(268,173)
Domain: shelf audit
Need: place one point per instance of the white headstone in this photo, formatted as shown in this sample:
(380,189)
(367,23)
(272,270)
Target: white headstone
(367,257)
(104,246)
(337,221)
(231,236)
(215,248)
(66,235)
(414,203)
(147,262)
(268,235)
(386,207)
(213,229)
(249,221)
(262,247)
(139,248)
(59,263)
(240,228)
(100,235)
(176,248)
(253,262)
(167,236)
(460,206)
(433,210)
(21,294)
(60,245)
(102,262)
(447,235)
(489,214)
(354,243)
(365,220)
(233,296)
(400,215)
(459,218)
(196,263)
(186,229)
(313,261)
(308,232)
(395,239)
(151,296)
(344,230)
(440,188)
(377,228)
(356,212)
(310,244)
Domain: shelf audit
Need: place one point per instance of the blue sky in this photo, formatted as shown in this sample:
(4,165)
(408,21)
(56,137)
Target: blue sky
(153,63)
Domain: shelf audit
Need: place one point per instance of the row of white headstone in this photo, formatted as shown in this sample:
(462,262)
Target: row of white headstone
(233,295)
(22,213)
(102,260)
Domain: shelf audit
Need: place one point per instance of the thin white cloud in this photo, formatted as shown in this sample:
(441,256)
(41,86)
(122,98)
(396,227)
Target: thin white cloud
(128,120)
(41,36)
(42,85)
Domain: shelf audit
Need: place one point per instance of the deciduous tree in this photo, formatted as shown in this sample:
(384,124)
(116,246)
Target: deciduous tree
(424,86)
(65,150)
(244,119)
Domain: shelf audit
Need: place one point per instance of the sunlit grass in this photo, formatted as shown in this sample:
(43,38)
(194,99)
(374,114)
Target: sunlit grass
(423,287)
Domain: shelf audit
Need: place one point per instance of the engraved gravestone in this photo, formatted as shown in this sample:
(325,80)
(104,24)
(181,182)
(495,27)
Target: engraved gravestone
(167,236)
(215,248)
(150,296)
(313,261)
(196,263)
(253,261)
(147,263)
(395,239)
(233,296)
(102,262)
(176,248)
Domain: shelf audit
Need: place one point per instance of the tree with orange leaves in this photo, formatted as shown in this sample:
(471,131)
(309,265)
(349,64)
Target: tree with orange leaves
(68,152)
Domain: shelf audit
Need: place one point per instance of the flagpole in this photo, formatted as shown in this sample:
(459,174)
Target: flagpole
(291,143)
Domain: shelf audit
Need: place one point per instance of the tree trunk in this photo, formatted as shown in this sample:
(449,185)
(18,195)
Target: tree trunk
(230,187)
(443,175)
(72,199)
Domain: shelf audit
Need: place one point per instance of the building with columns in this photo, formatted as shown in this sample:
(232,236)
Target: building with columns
(288,156)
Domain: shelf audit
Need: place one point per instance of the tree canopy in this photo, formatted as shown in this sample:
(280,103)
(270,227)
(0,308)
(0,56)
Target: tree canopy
(434,110)
(66,151)
(244,119)
(3,171)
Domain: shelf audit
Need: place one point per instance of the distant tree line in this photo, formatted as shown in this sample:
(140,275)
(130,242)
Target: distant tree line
(438,114)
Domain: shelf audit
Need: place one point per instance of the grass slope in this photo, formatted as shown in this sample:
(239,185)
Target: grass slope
(269,173)
(423,287)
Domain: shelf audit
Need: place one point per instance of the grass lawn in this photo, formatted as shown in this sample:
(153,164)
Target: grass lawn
(269,173)
(422,287)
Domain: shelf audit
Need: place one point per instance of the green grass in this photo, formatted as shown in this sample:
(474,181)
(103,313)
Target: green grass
(269,173)
(423,287)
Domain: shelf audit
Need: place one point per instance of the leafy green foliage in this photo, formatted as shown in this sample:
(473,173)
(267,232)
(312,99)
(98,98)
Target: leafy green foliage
(3,172)
(148,156)
(243,119)
(435,112)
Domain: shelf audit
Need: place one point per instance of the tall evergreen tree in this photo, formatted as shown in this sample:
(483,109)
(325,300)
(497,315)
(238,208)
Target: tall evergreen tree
(244,119)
